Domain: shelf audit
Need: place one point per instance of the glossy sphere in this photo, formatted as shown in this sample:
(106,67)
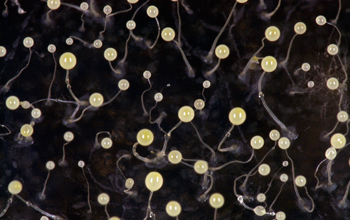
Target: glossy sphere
(50,165)
(321,20)
(274,135)
(123,84)
(257,142)
(216,200)
(131,25)
(280,215)
(259,211)
(342,116)
(206,84)
(36,113)
(107,10)
(261,197)
(284,177)
(272,33)
(284,143)
(98,43)
(269,64)
(96,99)
(332,83)
(129,183)
(69,41)
(68,136)
(68,61)
(331,153)
(84,6)
(241,1)
(199,104)
(145,137)
(175,157)
(168,34)
(12,102)
(81,163)
(332,49)
(305,67)
(201,166)
(103,199)
(15,187)
(44,218)
(133,1)
(237,116)
(338,141)
(106,143)
(310,84)
(186,114)
(114,218)
(27,130)
(152,11)
(3,51)
(53,4)
(110,54)
(28,42)
(147,74)
(158,97)
(173,208)
(154,181)
(222,51)
(51,48)
(300,28)
(300,181)
(264,169)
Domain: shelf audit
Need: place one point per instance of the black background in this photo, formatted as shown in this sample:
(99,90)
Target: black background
(311,114)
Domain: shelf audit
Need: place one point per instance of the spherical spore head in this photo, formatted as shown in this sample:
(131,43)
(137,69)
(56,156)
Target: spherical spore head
(15,187)
(173,208)
(284,143)
(257,142)
(300,28)
(96,99)
(272,33)
(152,11)
(338,140)
(145,137)
(321,20)
(110,54)
(103,198)
(154,181)
(168,34)
(186,114)
(201,166)
(269,64)
(27,130)
(68,61)
(222,51)
(175,157)
(53,4)
(216,200)
(300,181)
(12,102)
(237,116)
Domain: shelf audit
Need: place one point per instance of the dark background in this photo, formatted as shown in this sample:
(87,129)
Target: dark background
(311,114)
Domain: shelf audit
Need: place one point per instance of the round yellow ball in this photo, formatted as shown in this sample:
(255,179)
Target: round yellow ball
(145,137)
(15,187)
(154,181)
(186,114)
(68,61)
(237,116)
(269,64)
